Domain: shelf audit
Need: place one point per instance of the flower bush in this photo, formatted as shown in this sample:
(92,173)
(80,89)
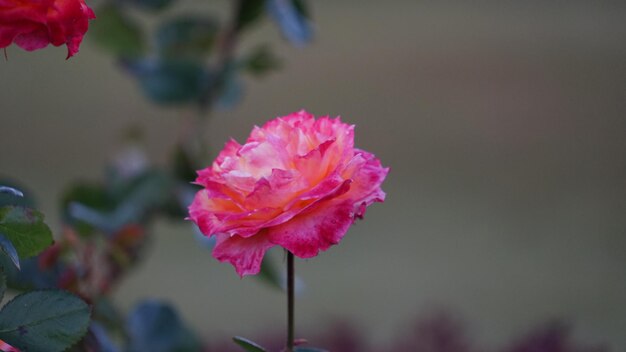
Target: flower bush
(297,182)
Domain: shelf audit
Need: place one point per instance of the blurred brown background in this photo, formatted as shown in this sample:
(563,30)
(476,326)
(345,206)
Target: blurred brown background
(504,125)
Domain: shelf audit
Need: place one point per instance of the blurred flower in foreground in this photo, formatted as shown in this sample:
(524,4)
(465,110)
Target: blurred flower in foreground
(33,25)
(297,182)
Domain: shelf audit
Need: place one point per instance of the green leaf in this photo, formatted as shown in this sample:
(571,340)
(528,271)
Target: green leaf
(133,200)
(292,22)
(7,248)
(3,284)
(248,345)
(187,37)
(170,81)
(117,33)
(44,321)
(90,195)
(302,8)
(231,91)
(25,228)
(156,327)
(14,193)
(183,165)
(249,12)
(261,61)
(11,191)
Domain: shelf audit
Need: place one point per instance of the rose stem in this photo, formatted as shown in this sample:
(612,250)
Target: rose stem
(290,301)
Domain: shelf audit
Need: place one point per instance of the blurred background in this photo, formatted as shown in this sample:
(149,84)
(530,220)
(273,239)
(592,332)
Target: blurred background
(504,125)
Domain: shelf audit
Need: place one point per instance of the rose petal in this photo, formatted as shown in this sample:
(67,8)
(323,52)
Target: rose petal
(245,254)
(367,175)
(34,40)
(33,25)
(315,229)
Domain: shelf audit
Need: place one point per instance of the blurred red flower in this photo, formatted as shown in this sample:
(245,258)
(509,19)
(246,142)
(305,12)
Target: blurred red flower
(34,24)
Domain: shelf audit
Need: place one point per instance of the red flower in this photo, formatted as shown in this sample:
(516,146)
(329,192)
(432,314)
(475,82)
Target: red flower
(34,24)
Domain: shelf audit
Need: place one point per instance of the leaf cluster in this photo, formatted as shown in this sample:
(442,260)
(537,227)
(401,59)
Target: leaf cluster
(191,59)
(40,320)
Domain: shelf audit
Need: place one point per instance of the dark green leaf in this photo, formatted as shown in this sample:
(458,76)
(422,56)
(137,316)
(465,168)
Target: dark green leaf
(292,23)
(248,345)
(3,283)
(249,12)
(106,313)
(148,189)
(153,5)
(261,61)
(302,8)
(231,87)
(170,82)
(31,275)
(93,196)
(44,321)
(186,37)
(11,191)
(7,248)
(22,197)
(183,165)
(154,326)
(117,33)
(133,200)
(102,338)
(25,228)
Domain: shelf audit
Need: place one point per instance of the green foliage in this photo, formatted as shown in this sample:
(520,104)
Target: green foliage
(89,195)
(155,326)
(261,61)
(249,12)
(183,165)
(9,250)
(39,320)
(117,33)
(231,89)
(44,321)
(3,284)
(291,18)
(186,37)
(302,8)
(247,345)
(171,81)
(11,191)
(180,63)
(25,229)
(122,202)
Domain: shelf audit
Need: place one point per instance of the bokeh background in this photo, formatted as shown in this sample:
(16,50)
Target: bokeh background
(504,125)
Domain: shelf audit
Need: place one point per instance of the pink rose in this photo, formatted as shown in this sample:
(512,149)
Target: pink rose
(34,24)
(297,182)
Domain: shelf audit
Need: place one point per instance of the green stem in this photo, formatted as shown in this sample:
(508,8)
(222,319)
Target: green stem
(290,301)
